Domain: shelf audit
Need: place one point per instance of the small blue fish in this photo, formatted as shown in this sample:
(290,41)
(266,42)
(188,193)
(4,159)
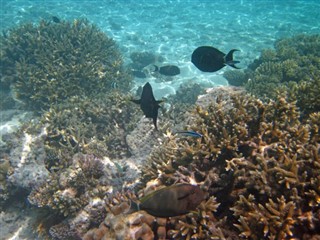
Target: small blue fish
(190,134)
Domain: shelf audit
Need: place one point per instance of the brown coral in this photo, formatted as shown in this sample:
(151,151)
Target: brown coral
(257,158)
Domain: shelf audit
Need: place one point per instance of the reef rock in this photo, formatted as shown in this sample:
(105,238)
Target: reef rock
(27,160)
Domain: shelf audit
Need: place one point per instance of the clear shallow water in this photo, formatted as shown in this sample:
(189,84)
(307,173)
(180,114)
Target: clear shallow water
(174,29)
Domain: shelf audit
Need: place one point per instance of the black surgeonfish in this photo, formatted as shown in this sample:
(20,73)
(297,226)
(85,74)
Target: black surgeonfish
(170,201)
(210,59)
(168,70)
(148,103)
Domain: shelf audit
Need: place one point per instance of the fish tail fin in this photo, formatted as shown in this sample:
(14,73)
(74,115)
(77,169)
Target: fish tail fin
(134,207)
(229,59)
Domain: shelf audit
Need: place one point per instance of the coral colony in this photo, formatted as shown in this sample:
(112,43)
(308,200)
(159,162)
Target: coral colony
(255,161)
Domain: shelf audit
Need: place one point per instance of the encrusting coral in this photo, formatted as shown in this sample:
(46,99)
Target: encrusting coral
(47,63)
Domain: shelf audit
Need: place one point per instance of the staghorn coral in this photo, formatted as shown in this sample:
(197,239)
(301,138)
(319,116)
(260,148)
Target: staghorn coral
(258,159)
(47,63)
(292,67)
(257,162)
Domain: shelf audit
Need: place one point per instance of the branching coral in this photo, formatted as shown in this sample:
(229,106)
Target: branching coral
(89,125)
(294,67)
(257,158)
(49,62)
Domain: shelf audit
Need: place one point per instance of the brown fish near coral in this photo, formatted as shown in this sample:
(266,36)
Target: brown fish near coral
(170,201)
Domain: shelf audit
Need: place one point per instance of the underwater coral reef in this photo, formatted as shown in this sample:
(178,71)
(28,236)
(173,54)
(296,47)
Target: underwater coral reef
(47,63)
(292,66)
(91,154)
(257,163)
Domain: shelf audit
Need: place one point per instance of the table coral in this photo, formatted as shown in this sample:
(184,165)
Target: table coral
(47,63)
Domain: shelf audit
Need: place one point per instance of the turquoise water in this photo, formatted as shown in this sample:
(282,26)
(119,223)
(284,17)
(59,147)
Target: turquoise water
(173,29)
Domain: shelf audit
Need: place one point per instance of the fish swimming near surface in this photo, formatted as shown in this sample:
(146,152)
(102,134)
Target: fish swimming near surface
(189,134)
(170,201)
(168,70)
(148,104)
(210,59)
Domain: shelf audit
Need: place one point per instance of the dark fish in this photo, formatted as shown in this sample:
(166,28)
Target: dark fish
(148,103)
(138,74)
(210,59)
(168,70)
(170,201)
(190,134)
(55,19)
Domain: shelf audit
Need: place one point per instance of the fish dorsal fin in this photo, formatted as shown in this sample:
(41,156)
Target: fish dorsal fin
(149,195)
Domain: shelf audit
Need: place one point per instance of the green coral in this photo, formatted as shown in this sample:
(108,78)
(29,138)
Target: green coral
(49,62)
(292,67)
